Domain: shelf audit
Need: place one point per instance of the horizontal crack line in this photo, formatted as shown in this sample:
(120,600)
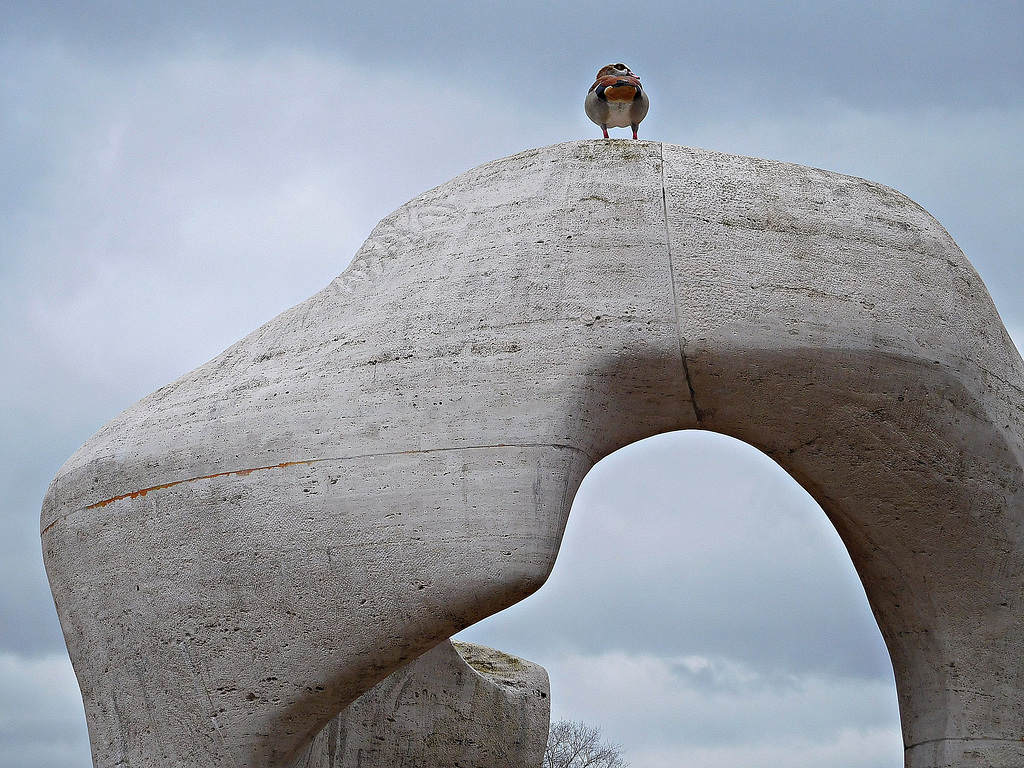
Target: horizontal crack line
(309,462)
(964,738)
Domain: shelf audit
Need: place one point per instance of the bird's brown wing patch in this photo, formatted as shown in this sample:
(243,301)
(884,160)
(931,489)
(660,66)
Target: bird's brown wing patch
(621,93)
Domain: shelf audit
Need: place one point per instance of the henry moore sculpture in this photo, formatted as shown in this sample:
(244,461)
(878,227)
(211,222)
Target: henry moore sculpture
(244,552)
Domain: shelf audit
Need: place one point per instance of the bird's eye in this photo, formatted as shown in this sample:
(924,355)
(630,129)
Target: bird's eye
(621,66)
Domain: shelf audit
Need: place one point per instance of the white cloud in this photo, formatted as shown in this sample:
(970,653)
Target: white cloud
(850,748)
(42,722)
(713,711)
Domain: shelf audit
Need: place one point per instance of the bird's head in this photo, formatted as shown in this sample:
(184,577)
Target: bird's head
(615,70)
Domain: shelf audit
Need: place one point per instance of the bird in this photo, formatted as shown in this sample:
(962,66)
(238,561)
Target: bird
(616,99)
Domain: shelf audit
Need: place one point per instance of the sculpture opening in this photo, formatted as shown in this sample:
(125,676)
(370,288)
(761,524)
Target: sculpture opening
(703,609)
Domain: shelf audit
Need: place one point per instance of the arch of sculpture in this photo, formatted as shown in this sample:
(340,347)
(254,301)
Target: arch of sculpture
(242,553)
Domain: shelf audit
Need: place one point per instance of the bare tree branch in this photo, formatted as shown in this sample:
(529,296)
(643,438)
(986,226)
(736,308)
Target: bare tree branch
(574,744)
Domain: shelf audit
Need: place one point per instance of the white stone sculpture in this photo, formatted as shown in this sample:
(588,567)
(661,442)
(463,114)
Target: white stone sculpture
(244,552)
(459,704)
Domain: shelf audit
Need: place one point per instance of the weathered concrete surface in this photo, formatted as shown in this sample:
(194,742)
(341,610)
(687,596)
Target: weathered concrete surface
(244,552)
(467,706)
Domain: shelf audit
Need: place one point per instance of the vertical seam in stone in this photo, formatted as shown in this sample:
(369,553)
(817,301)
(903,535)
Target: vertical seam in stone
(698,414)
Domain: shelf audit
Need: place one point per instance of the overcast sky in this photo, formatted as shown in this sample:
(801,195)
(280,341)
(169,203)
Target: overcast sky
(172,175)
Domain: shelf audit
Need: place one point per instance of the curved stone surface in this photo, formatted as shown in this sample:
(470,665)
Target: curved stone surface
(244,552)
(459,704)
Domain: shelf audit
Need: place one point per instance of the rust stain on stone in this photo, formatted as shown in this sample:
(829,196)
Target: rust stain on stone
(239,472)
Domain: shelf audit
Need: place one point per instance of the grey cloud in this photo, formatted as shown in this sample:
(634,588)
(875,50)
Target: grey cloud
(868,53)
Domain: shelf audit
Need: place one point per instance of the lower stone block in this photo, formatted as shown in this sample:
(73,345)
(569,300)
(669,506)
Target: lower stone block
(458,705)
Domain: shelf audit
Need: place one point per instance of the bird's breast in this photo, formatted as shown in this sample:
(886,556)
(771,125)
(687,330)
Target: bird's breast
(619,114)
(622,94)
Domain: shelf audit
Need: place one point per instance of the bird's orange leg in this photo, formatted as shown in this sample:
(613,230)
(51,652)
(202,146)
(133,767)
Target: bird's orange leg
(605,129)
(635,127)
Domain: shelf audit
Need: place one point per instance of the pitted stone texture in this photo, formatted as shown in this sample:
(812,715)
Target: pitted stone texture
(244,552)
(467,706)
